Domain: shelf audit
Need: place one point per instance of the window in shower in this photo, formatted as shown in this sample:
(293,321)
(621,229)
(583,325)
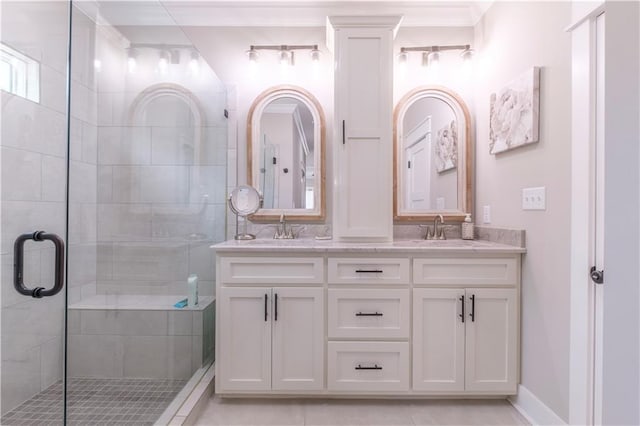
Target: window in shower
(19,74)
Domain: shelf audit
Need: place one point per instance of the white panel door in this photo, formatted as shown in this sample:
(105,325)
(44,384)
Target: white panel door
(298,339)
(364,151)
(417,164)
(491,340)
(245,339)
(438,339)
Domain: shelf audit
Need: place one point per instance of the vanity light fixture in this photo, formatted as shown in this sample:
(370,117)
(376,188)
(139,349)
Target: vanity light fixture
(431,54)
(285,52)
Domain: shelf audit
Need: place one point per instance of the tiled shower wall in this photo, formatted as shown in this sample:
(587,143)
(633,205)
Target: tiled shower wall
(34,151)
(162,153)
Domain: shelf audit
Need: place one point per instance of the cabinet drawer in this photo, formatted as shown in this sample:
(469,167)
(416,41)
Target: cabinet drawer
(466,271)
(368,271)
(368,313)
(272,270)
(368,366)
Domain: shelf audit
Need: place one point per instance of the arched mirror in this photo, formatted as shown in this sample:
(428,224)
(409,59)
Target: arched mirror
(432,156)
(285,154)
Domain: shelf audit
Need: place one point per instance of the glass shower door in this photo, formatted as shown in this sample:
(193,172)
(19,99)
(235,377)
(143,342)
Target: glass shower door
(34,45)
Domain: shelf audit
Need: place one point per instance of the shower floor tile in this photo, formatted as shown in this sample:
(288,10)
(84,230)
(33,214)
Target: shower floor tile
(98,402)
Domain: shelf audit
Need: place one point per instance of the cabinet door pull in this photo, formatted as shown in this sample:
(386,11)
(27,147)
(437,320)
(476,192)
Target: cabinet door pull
(275,311)
(369,271)
(375,367)
(473,308)
(265,306)
(343,133)
(462,304)
(369,314)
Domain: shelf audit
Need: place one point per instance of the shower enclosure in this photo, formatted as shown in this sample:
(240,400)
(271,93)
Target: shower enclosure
(114,144)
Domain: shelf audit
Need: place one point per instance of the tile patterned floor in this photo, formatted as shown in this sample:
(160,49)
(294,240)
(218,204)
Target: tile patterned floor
(98,402)
(337,412)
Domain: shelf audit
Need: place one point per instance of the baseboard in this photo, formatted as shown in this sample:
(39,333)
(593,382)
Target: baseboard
(534,410)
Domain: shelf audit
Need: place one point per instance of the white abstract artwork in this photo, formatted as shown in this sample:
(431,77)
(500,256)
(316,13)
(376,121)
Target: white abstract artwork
(514,113)
(447,147)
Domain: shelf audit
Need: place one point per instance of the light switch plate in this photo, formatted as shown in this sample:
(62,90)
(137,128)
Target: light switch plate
(440,203)
(534,198)
(486,214)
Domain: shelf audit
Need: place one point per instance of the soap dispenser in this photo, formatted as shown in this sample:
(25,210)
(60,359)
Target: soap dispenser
(467,228)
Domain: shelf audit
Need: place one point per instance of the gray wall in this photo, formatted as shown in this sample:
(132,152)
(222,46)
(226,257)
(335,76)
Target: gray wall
(511,38)
(621,344)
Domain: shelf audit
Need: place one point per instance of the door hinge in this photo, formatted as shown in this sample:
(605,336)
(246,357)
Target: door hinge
(597,276)
(409,164)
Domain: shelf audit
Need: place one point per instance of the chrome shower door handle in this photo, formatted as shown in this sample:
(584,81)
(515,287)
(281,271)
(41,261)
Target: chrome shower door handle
(18,265)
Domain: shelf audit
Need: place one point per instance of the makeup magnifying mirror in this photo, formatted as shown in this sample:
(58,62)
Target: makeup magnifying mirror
(244,200)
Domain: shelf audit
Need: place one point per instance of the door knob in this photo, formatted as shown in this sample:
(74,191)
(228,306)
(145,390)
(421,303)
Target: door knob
(597,276)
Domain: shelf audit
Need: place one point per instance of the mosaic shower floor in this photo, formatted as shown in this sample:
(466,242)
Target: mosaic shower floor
(98,402)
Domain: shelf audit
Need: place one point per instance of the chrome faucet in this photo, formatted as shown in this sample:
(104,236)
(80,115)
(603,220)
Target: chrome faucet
(282,233)
(438,232)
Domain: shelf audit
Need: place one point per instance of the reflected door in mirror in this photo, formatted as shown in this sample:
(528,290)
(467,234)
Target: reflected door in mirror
(287,150)
(432,156)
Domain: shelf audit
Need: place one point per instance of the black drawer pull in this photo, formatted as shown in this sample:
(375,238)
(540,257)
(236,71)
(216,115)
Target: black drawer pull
(369,314)
(369,271)
(375,367)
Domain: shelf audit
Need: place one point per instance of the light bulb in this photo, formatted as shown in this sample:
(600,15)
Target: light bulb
(403,57)
(194,62)
(97,65)
(163,62)
(433,59)
(467,54)
(315,55)
(284,58)
(131,64)
(253,55)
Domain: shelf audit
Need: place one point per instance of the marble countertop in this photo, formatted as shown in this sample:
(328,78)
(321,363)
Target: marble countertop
(415,246)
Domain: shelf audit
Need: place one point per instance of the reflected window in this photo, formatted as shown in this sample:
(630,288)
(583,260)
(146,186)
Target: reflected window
(19,74)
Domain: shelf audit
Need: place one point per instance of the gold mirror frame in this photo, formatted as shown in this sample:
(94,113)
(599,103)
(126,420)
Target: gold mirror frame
(465,158)
(318,213)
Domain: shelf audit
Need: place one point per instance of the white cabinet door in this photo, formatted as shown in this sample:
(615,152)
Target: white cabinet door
(492,340)
(364,151)
(245,339)
(298,339)
(438,340)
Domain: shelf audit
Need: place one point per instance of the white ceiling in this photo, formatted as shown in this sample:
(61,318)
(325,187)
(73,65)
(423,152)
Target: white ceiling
(240,13)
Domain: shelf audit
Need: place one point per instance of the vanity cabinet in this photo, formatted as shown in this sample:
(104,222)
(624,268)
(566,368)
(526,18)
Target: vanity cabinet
(363,144)
(336,318)
(465,339)
(272,339)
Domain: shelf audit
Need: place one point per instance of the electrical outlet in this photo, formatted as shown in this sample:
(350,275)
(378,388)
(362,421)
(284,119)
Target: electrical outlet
(534,198)
(486,214)
(440,203)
